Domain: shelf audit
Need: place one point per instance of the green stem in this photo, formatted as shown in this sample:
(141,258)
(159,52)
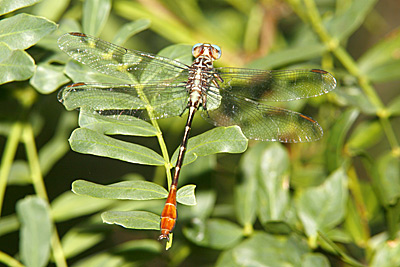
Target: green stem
(334,46)
(8,157)
(38,183)
(163,147)
(9,261)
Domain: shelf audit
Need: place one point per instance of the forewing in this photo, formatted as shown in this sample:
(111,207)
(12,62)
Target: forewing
(125,100)
(260,121)
(278,85)
(130,65)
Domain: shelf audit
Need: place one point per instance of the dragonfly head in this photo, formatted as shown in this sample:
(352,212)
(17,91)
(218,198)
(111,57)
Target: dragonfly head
(208,50)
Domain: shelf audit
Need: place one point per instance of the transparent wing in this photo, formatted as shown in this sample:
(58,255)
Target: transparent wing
(131,65)
(125,100)
(279,85)
(260,121)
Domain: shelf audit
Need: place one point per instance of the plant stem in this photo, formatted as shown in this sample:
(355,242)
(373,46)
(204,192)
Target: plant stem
(38,183)
(161,142)
(314,18)
(8,157)
(9,261)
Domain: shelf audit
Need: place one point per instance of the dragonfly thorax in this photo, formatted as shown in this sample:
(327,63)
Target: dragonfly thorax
(200,77)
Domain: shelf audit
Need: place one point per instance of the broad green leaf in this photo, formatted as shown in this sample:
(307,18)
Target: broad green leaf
(273,181)
(95,15)
(51,9)
(110,126)
(381,63)
(277,227)
(48,78)
(35,231)
(288,56)
(205,204)
(366,135)
(131,253)
(76,241)
(343,24)
(133,190)
(266,250)
(69,205)
(354,224)
(15,65)
(394,106)
(314,259)
(385,253)
(102,259)
(217,234)
(336,137)
(140,249)
(246,188)
(22,31)
(132,219)
(386,174)
(7,6)
(354,97)
(204,167)
(87,141)
(323,207)
(185,195)
(217,140)
(130,29)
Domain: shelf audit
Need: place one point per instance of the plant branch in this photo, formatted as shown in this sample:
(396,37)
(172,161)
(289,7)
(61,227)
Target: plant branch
(314,18)
(38,183)
(8,157)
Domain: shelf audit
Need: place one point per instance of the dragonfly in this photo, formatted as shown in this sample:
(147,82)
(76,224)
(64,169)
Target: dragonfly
(154,87)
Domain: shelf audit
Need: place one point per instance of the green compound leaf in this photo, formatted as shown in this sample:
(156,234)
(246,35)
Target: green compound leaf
(87,141)
(185,195)
(132,219)
(111,125)
(7,6)
(23,30)
(217,140)
(35,232)
(15,65)
(133,190)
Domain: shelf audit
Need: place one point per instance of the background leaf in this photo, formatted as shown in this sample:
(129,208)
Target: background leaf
(7,6)
(90,142)
(134,190)
(23,30)
(323,207)
(132,219)
(218,140)
(15,65)
(35,233)
(95,15)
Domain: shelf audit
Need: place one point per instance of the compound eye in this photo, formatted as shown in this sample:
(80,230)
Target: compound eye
(216,51)
(197,49)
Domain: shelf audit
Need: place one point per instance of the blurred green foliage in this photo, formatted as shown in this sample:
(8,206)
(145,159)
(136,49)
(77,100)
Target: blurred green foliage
(330,202)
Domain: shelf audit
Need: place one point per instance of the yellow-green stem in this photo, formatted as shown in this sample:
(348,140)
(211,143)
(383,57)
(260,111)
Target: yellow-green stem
(334,46)
(9,261)
(38,183)
(8,157)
